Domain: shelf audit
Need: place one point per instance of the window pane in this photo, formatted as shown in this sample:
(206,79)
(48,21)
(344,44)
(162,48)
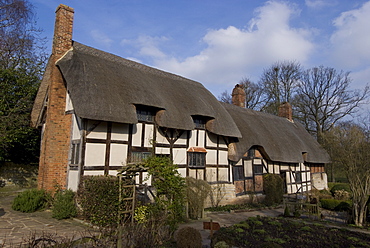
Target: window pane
(197,159)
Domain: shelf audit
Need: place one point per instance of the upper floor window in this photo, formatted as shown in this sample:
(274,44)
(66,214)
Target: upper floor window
(199,121)
(145,113)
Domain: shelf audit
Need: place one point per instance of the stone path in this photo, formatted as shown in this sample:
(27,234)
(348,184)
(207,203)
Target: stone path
(17,228)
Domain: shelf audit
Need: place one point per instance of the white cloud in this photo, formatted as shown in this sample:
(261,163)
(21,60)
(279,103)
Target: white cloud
(148,46)
(233,53)
(351,40)
(318,4)
(101,38)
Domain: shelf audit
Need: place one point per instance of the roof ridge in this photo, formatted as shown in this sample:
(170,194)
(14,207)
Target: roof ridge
(130,63)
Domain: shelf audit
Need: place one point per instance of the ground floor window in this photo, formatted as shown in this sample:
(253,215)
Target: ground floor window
(196,159)
(238,173)
(139,156)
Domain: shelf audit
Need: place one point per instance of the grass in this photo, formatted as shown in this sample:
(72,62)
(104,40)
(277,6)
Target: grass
(266,232)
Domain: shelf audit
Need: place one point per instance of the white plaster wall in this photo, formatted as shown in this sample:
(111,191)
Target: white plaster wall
(69,105)
(162,150)
(76,132)
(120,132)
(319,180)
(211,157)
(179,155)
(161,139)
(73,180)
(95,154)
(99,132)
(193,138)
(222,159)
(211,174)
(136,134)
(201,138)
(182,139)
(118,154)
(223,174)
(93,173)
(182,171)
(148,139)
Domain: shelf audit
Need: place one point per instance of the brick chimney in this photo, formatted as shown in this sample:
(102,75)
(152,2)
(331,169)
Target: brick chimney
(285,110)
(238,96)
(55,143)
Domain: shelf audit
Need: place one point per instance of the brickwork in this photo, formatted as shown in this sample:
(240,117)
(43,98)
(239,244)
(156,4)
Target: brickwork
(285,110)
(238,96)
(55,143)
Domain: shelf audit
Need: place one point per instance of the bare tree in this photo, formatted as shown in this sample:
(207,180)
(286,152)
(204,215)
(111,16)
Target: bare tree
(279,83)
(350,148)
(19,38)
(254,97)
(324,98)
(225,97)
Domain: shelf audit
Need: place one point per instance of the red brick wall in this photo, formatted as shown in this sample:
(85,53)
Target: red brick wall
(55,144)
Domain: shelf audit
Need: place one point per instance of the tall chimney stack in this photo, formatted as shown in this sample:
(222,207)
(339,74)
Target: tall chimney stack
(285,110)
(55,143)
(238,96)
(63,28)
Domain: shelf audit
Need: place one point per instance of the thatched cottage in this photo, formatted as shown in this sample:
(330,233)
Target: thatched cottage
(98,112)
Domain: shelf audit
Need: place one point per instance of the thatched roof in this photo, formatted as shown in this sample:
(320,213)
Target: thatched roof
(280,139)
(106,87)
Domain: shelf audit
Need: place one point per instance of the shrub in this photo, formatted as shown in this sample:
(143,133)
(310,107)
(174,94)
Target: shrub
(343,206)
(170,189)
(64,206)
(273,187)
(31,200)
(188,237)
(340,186)
(197,191)
(342,195)
(329,203)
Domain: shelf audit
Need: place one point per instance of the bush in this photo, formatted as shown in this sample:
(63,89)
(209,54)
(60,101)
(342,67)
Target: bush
(329,203)
(31,200)
(273,187)
(340,186)
(64,206)
(197,191)
(343,206)
(188,237)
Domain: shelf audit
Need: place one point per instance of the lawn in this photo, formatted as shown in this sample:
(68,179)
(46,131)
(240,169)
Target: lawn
(287,232)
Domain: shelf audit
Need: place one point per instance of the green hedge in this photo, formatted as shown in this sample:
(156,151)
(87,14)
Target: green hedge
(335,205)
(273,187)
(98,197)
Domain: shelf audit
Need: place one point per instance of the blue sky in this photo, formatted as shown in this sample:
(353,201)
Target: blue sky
(217,43)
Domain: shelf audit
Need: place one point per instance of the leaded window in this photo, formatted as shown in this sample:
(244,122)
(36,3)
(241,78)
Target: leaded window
(196,159)
(139,156)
